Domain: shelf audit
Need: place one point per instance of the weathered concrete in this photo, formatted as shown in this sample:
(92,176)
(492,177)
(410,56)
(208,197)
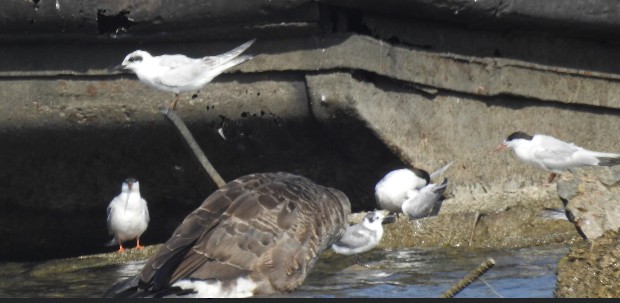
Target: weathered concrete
(137,18)
(451,72)
(591,269)
(464,74)
(589,18)
(115,102)
(161,20)
(552,51)
(469,218)
(429,130)
(339,92)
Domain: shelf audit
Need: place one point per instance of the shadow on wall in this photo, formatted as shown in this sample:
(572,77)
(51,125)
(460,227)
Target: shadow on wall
(57,183)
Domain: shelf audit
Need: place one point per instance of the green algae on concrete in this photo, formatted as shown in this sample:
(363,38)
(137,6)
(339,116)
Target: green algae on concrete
(513,228)
(53,267)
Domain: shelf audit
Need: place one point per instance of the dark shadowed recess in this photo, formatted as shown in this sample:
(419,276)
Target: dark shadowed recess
(56,183)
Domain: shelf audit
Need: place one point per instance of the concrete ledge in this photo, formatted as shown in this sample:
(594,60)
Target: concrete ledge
(464,74)
(428,131)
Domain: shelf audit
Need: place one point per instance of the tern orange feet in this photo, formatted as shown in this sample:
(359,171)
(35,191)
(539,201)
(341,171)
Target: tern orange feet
(120,247)
(138,246)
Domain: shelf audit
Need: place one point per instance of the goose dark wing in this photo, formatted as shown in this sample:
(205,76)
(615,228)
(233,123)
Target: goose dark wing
(267,227)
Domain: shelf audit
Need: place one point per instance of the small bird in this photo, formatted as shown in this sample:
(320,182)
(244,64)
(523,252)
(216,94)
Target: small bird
(179,73)
(391,191)
(421,203)
(260,234)
(128,215)
(361,237)
(554,155)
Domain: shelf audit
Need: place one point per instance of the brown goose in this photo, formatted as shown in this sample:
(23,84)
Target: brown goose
(259,234)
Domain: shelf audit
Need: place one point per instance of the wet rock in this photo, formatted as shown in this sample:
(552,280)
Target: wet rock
(54,267)
(487,220)
(592,198)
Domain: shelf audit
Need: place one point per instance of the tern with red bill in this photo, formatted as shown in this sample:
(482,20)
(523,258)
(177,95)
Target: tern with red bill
(554,155)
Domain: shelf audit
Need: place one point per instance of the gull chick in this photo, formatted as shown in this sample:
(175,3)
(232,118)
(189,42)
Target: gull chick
(420,203)
(128,215)
(179,73)
(554,155)
(361,237)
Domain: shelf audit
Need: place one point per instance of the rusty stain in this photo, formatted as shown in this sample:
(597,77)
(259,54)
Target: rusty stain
(91,90)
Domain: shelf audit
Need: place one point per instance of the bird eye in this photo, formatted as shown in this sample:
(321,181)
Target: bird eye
(136,58)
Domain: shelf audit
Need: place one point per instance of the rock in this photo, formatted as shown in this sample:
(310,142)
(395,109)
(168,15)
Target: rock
(473,218)
(591,269)
(592,198)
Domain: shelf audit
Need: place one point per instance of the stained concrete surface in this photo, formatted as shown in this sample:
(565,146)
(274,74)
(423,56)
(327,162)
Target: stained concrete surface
(339,92)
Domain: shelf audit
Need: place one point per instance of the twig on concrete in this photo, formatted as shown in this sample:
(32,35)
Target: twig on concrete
(193,145)
(471,277)
(473,229)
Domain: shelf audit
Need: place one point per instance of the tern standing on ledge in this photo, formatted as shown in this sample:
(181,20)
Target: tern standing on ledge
(554,155)
(179,73)
(128,215)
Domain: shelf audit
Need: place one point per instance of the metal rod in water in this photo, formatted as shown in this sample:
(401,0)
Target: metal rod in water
(193,145)
(471,277)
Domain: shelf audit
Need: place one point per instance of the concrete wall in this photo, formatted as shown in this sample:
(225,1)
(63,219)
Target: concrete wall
(341,92)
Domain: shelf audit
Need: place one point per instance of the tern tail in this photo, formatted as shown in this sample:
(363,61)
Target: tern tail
(441,170)
(441,188)
(229,56)
(608,161)
(112,242)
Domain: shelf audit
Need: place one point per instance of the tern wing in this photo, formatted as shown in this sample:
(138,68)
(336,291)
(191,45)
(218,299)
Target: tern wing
(180,75)
(111,206)
(354,236)
(554,153)
(440,170)
(174,61)
(146,211)
(225,57)
(421,203)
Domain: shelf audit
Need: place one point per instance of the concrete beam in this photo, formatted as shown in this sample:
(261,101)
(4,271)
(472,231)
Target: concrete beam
(484,77)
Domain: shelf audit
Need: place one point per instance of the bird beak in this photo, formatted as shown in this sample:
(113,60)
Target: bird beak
(115,68)
(501,147)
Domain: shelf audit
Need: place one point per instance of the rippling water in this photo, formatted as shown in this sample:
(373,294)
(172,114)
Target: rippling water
(526,272)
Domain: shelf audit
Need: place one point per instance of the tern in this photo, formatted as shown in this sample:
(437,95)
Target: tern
(421,203)
(391,190)
(361,237)
(179,73)
(128,215)
(554,155)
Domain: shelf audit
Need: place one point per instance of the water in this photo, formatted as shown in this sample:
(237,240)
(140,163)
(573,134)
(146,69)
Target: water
(525,272)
